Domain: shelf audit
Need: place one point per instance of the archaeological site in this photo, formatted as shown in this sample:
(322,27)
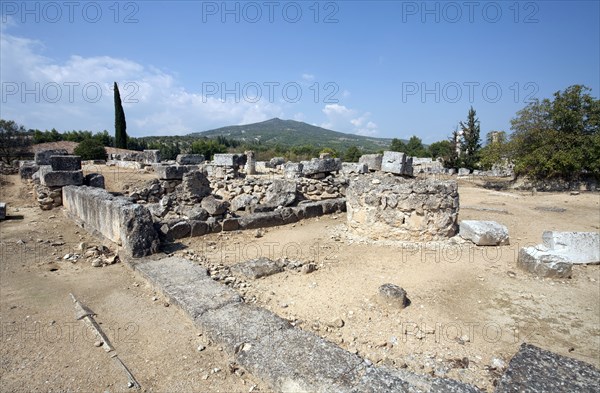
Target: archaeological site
(392,274)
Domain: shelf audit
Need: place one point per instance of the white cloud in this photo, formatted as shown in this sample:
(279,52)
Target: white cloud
(308,77)
(40,92)
(341,118)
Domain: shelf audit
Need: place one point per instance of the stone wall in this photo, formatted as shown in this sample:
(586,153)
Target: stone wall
(395,208)
(116,218)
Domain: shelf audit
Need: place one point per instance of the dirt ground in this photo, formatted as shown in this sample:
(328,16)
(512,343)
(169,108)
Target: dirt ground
(471,307)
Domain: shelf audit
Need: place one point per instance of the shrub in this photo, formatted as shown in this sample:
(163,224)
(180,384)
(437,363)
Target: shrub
(91,149)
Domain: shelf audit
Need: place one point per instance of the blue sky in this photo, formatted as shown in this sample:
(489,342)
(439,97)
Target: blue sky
(380,68)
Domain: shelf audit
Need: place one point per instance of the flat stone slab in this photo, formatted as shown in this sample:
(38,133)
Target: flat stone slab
(257,268)
(292,360)
(51,178)
(484,233)
(2,211)
(534,369)
(373,161)
(577,247)
(173,172)
(43,157)
(237,324)
(189,159)
(187,285)
(544,262)
(65,163)
(226,159)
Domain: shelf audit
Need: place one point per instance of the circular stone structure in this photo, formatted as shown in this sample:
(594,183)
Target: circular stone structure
(396,208)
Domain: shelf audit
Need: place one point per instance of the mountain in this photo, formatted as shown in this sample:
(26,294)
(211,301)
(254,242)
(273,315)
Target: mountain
(295,133)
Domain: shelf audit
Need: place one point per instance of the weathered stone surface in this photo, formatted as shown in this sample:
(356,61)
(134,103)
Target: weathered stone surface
(116,218)
(275,161)
(464,172)
(544,262)
(484,233)
(172,172)
(393,294)
(187,285)
(396,163)
(231,224)
(94,180)
(577,247)
(393,207)
(335,205)
(250,167)
(534,369)
(199,228)
(189,159)
(151,157)
(261,220)
(237,326)
(292,360)
(65,163)
(51,178)
(2,211)
(240,202)
(27,169)
(194,186)
(257,268)
(373,161)
(281,193)
(225,159)
(352,167)
(214,206)
(43,157)
(318,166)
(180,230)
(293,170)
(195,213)
(309,210)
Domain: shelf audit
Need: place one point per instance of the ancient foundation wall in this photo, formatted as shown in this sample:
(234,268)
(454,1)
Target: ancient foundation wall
(395,208)
(116,218)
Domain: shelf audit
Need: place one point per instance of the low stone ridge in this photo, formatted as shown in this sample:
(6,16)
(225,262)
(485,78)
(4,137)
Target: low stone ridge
(65,163)
(94,180)
(189,159)
(392,207)
(578,247)
(534,369)
(373,161)
(287,358)
(2,211)
(116,218)
(484,233)
(187,285)
(396,163)
(257,268)
(43,157)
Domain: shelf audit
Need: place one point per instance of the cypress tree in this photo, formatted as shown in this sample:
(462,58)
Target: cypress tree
(120,124)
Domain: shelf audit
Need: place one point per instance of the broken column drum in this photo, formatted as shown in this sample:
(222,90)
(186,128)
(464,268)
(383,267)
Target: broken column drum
(395,208)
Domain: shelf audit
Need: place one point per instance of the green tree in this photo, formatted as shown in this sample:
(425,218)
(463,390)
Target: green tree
(471,142)
(14,141)
(208,147)
(558,138)
(91,149)
(398,145)
(120,123)
(415,148)
(495,149)
(330,151)
(440,149)
(352,154)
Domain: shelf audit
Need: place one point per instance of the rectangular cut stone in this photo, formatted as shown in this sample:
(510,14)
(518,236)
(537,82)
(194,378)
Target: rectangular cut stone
(51,178)
(373,161)
(173,172)
(27,169)
(42,157)
(534,369)
(151,157)
(225,159)
(65,163)
(292,170)
(484,233)
(2,211)
(189,159)
(577,247)
(544,262)
(116,218)
(321,165)
(394,162)
(353,167)
(187,285)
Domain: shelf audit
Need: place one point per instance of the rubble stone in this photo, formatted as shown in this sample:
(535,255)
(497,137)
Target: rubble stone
(214,206)
(281,193)
(94,180)
(484,233)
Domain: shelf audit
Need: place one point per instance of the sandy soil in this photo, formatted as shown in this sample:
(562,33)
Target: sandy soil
(468,304)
